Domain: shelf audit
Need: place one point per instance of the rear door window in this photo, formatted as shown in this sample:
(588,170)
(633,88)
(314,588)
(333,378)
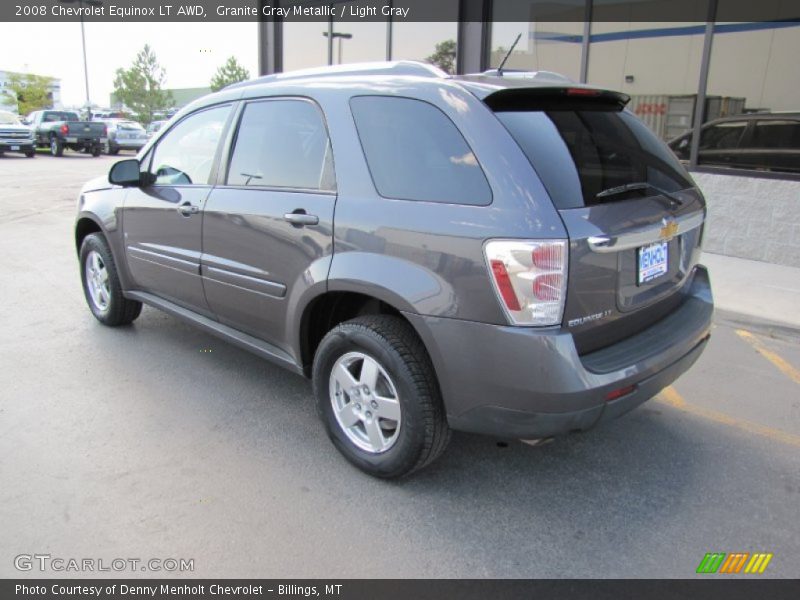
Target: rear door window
(580,153)
(776,134)
(415,152)
(282,143)
(724,136)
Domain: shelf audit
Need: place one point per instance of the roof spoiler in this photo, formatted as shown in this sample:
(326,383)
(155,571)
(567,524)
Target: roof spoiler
(555,98)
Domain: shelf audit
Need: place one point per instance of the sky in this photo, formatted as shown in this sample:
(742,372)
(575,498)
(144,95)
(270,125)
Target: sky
(190,52)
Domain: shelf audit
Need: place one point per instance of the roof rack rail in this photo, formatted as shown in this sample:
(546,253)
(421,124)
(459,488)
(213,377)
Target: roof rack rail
(399,67)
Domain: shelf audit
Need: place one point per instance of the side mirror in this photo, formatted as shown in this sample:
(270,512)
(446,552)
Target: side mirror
(125,173)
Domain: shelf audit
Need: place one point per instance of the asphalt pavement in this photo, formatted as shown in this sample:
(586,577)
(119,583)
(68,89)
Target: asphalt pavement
(160,441)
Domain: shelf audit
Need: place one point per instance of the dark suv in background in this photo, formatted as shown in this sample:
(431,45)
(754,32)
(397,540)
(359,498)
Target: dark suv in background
(758,141)
(515,256)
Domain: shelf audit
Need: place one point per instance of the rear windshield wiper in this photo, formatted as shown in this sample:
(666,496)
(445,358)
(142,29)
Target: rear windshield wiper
(640,185)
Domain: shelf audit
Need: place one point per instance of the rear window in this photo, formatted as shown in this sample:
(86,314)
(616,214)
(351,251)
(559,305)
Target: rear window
(51,116)
(130,126)
(580,153)
(415,152)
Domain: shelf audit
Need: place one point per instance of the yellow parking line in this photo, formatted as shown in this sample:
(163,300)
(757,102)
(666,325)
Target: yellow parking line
(670,396)
(783,366)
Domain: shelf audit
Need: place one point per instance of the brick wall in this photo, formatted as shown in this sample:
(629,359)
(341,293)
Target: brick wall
(752,218)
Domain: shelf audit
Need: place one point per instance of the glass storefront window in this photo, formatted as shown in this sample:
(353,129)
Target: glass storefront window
(304,45)
(544,46)
(357,41)
(427,42)
(641,58)
(757,63)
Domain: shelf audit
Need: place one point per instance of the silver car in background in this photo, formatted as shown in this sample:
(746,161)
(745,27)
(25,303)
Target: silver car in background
(124,134)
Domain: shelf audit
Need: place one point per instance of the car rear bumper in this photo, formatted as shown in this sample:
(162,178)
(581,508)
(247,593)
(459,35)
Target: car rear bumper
(127,144)
(83,140)
(531,383)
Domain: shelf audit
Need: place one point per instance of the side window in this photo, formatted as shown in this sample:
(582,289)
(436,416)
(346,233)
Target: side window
(724,136)
(415,152)
(185,154)
(777,134)
(282,143)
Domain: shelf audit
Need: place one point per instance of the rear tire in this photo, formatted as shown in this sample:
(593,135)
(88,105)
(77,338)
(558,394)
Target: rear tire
(96,150)
(401,402)
(56,146)
(101,285)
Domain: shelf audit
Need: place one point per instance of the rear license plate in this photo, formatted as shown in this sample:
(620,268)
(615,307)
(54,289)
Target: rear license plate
(14,148)
(653,261)
(72,140)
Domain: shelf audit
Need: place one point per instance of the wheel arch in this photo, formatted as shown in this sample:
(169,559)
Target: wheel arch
(88,223)
(85,226)
(332,307)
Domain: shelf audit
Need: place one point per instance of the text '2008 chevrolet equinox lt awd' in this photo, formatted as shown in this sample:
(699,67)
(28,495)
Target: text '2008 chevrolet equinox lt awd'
(514,255)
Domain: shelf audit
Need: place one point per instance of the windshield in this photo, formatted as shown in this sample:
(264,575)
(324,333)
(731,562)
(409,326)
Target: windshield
(579,154)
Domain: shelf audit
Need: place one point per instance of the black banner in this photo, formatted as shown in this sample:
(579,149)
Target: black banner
(712,588)
(396,10)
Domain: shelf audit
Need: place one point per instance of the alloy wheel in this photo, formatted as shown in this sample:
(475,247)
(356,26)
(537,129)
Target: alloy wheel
(365,402)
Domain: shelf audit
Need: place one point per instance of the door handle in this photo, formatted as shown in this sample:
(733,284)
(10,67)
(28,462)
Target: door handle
(187,209)
(299,218)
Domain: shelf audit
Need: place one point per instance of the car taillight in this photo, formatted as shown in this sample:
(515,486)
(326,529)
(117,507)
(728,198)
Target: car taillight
(530,278)
(65,129)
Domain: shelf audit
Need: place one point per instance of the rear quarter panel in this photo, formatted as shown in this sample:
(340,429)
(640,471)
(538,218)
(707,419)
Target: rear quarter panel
(427,257)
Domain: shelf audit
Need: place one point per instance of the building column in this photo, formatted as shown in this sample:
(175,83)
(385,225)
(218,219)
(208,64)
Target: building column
(473,36)
(270,46)
(702,85)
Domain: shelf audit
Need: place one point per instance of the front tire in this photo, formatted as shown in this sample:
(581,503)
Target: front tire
(101,285)
(378,397)
(30,153)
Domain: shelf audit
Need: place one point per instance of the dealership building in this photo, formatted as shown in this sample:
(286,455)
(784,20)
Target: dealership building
(753,62)
(679,73)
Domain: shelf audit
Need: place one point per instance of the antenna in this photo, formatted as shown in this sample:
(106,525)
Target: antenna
(510,50)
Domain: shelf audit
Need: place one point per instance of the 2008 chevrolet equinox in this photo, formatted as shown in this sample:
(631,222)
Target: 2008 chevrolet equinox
(508,254)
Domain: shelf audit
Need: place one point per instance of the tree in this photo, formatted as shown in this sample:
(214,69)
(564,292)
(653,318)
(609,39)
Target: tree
(140,87)
(444,56)
(31,92)
(230,72)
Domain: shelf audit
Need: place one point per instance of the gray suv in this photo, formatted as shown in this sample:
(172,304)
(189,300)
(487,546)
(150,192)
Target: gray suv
(509,255)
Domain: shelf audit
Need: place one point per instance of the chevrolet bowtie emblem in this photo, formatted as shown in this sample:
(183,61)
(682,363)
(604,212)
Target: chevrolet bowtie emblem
(669,230)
